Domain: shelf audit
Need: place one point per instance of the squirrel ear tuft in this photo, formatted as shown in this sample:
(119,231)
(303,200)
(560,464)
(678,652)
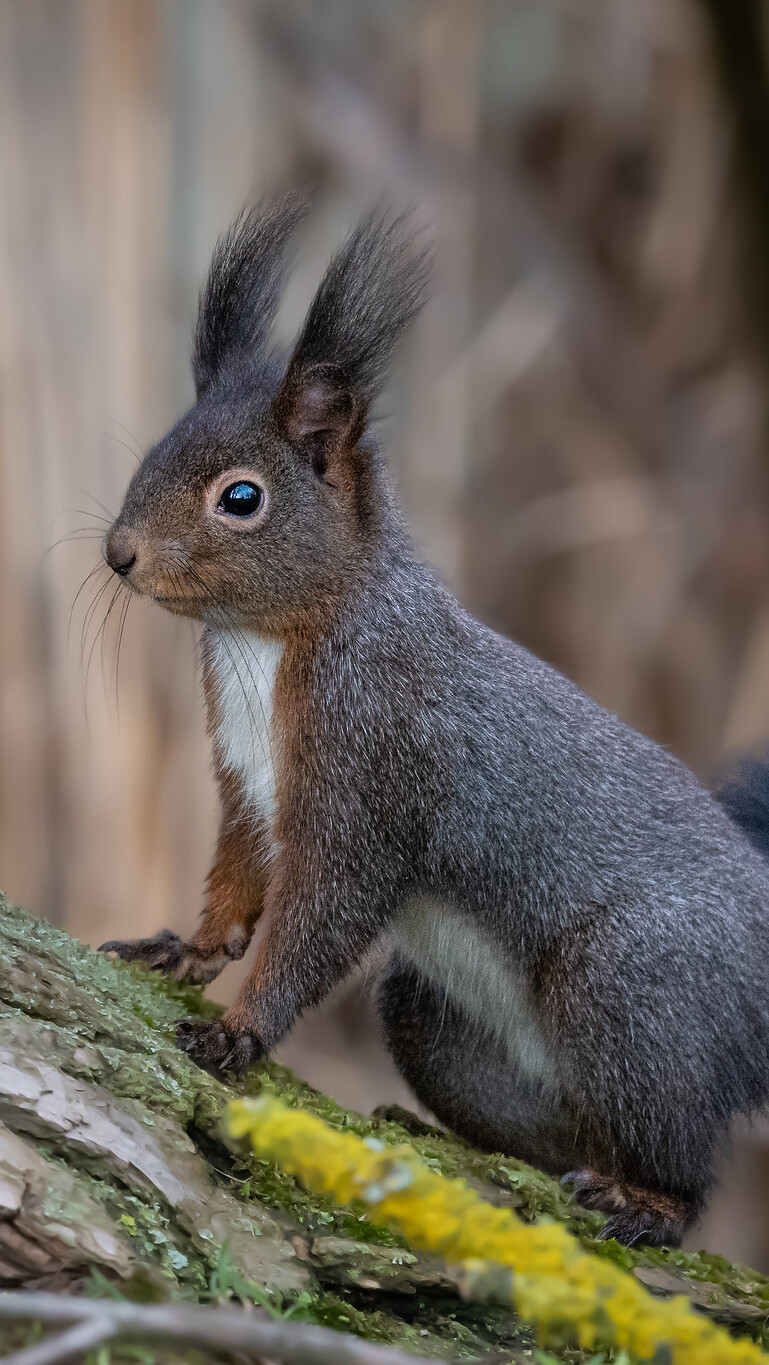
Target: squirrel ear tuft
(240,298)
(369,295)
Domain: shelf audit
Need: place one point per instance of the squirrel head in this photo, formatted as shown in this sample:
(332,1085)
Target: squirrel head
(252,510)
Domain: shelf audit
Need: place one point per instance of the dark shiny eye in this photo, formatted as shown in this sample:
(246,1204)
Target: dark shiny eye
(241,499)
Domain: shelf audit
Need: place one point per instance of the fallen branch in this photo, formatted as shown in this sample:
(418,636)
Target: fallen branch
(223,1330)
(79,1339)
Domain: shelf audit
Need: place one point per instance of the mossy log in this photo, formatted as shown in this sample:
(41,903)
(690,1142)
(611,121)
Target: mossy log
(114,1177)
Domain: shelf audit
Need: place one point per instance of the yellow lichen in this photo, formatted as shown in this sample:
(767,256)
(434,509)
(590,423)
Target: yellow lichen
(552,1282)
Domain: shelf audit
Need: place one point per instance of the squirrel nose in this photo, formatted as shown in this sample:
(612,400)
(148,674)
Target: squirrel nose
(119,550)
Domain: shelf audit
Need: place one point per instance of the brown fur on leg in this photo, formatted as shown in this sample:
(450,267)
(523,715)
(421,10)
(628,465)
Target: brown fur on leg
(635,1214)
(236,883)
(168,953)
(234,902)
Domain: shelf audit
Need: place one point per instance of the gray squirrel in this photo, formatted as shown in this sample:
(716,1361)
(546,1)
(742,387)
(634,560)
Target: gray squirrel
(577,933)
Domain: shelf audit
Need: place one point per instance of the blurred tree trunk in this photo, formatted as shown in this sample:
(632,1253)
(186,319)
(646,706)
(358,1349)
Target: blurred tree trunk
(740,39)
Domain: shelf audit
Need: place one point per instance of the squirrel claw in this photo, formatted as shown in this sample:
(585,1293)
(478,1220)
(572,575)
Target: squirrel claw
(170,954)
(217,1048)
(634,1214)
(163,953)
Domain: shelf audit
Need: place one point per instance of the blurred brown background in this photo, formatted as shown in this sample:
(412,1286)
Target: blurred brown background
(577,424)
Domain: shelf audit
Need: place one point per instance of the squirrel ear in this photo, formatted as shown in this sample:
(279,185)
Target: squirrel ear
(238,303)
(369,295)
(317,402)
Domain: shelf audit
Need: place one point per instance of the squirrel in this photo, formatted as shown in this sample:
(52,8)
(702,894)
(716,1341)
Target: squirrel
(577,932)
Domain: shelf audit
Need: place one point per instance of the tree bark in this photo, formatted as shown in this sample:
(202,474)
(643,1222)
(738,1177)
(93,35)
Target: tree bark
(115,1179)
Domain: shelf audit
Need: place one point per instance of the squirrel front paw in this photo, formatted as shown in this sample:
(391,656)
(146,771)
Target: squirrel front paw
(217,1048)
(170,954)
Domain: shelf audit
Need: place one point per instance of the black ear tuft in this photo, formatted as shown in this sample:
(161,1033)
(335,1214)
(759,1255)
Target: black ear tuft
(241,294)
(369,295)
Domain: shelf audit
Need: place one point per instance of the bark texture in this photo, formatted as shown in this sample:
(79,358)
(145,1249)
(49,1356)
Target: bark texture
(114,1178)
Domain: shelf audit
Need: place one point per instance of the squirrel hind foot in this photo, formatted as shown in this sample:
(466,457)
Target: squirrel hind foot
(217,1048)
(405,1118)
(635,1215)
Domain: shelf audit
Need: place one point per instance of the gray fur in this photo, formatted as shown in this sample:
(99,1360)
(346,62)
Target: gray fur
(369,295)
(590,855)
(238,304)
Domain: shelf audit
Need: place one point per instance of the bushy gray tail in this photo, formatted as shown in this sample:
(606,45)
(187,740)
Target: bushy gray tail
(743,791)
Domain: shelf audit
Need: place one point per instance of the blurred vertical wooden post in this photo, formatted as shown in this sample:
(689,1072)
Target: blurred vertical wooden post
(87,797)
(435,470)
(739,35)
(130,132)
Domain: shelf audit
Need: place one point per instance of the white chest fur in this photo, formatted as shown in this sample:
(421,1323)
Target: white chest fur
(457,957)
(244,667)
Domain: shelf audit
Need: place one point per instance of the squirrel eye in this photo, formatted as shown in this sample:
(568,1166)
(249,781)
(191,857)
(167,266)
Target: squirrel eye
(241,499)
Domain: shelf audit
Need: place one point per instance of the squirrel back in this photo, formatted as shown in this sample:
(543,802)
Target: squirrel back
(742,788)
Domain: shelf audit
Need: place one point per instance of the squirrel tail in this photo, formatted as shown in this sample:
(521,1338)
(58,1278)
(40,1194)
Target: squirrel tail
(743,791)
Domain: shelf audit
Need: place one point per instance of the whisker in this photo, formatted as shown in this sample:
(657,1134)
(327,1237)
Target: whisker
(80,534)
(135,447)
(96,568)
(121,628)
(100,635)
(95,516)
(118,441)
(98,592)
(88,619)
(115,598)
(86,494)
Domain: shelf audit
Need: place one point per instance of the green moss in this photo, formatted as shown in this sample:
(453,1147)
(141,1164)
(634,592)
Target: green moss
(329,1310)
(532,1193)
(113,1026)
(160,1243)
(513,1183)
